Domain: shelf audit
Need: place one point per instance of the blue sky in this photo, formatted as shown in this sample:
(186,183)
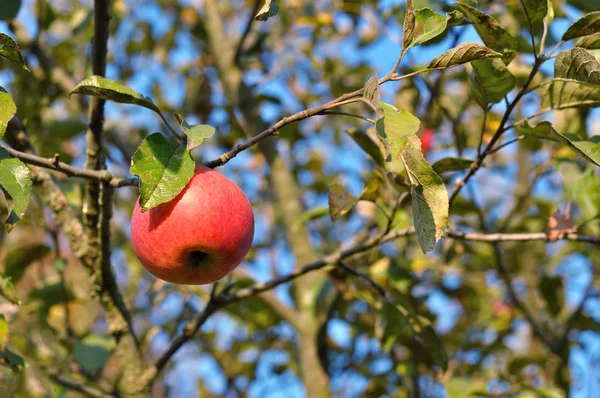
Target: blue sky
(192,364)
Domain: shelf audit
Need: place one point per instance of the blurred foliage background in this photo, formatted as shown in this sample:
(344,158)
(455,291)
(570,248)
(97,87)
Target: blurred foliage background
(326,333)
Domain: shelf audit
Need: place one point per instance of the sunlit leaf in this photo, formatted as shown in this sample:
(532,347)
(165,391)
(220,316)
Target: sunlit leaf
(196,134)
(577,64)
(463,53)
(10,50)
(565,93)
(15,179)
(493,35)
(428,24)
(428,194)
(589,148)
(106,89)
(590,42)
(340,200)
(408,26)
(4,333)
(7,110)
(586,25)
(164,166)
(7,290)
(268,10)
(395,125)
(490,81)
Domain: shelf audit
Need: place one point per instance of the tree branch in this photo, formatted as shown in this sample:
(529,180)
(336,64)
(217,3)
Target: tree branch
(79,387)
(489,148)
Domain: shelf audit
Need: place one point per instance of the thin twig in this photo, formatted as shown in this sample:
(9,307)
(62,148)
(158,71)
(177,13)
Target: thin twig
(511,106)
(363,276)
(240,46)
(79,387)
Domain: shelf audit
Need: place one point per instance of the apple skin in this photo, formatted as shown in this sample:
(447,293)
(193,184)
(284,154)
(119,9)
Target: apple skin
(200,236)
(426,140)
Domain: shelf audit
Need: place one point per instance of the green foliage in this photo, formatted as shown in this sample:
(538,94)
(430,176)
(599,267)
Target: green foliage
(491,32)
(586,25)
(10,9)
(451,164)
(490,81)
(7,290)
(7,110)
(15,180)
(340,200)
(18,259)
(10,50)
(463,53)
(429,195)
(164,167)
(109,90)
(196,134)
(536,10)
(447,319)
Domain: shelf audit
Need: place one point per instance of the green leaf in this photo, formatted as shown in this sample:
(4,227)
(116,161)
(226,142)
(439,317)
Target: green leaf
(13,360)
(340,200)
(493,35)
(18,259)
(310,215)
(91,356)
(371,93)
(396,324)
(196,134)
(106,89)
(408,26)
(590,42)
(7,110)
(550,15)
(428,194)
(367,145)
(10,50)
(164,166)
(15,179)
(428,24)
(577,64)
(490,81)
(551,288)
(4,333)
(393,127)
(7,290)
(542,130)
(586,25)
(451,164)
(535,10)
(268,10)
(9,9)
(589,149)
(463,53)
(565,93)
(456,18)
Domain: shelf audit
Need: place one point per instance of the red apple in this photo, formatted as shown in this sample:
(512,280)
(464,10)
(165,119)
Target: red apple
(426,140)
(198,237)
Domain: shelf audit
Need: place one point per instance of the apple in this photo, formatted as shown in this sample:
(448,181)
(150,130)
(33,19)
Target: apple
(426,140)
(200,236)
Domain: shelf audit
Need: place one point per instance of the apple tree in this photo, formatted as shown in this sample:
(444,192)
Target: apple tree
(423,177)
